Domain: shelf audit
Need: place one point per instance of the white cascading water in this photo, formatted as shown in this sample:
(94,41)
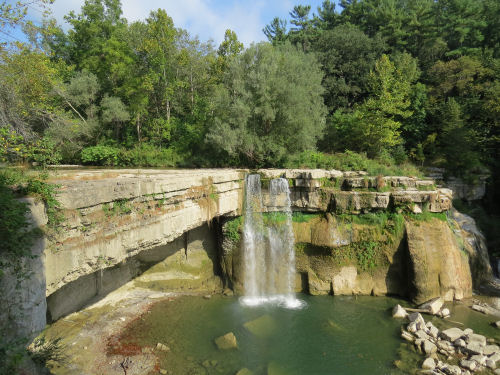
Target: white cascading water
(269,252)
(253,241)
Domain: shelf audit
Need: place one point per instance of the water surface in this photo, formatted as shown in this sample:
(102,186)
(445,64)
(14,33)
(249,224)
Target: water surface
(331,335)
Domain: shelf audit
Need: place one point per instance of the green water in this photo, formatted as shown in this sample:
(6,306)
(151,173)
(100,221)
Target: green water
(332,335)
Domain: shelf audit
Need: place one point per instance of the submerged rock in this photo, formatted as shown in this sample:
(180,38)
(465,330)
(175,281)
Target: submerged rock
(244,371)
(274,368)
(262,327)
(162,347)
(228,341)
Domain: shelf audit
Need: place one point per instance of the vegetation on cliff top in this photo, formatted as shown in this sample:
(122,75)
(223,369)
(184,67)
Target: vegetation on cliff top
(361,78)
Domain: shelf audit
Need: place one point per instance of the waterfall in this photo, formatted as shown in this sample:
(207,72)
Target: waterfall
(269,255)
(253,240)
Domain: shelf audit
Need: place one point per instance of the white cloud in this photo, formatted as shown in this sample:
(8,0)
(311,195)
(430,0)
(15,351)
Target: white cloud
(208,19)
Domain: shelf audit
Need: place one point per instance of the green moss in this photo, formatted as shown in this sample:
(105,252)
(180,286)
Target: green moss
(118,207)
(376,234)
(232,229)
(327,182)
(426,187)
(427,216)
(300,217)
(274,218)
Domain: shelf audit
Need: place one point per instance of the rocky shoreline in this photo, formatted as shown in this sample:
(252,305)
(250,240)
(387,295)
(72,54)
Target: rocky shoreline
(453,351)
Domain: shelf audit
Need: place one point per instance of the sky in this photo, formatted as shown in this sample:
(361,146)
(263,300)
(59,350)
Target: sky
(208,19)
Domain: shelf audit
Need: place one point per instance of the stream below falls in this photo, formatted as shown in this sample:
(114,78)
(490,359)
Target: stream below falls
(340,335)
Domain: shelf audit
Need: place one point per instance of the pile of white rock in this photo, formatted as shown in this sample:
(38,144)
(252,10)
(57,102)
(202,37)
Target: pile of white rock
(472,351)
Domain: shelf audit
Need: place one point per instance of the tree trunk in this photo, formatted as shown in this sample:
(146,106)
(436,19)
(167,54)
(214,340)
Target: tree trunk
(138,126)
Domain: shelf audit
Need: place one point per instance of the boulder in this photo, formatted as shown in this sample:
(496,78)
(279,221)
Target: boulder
(475,338)
(479,359)
(228,341)
(162,347)
(491,349)
(412,327)
(451,370)
(474,348)
(421,334)
(433,331)
(407,336)
(491,364)
(495,357)
(445,313)
(429,364)
(417,318)
(452,334)
(428,347)
(399,312)
(469,365)
(433,306)
(497,324)
(480,308)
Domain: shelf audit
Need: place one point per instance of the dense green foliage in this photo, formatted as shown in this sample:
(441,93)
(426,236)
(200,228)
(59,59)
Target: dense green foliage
(374,85)
(270,105)
(397,81)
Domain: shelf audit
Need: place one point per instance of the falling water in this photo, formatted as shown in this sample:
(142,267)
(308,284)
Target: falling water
(282,244)
(253,241)
(269,254)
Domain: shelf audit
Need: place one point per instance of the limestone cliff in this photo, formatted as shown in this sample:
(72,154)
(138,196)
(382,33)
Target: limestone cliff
(373,254)
(440,267)
(158,227)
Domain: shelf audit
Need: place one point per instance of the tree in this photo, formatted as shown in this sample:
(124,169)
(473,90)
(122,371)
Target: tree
(275,32)
(347,56)
(228,49)
(114,113)
(302,33)
(270,106)
(373,126)
(327,18)
(12,14)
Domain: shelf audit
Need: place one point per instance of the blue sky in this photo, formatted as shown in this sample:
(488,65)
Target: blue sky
(206,18)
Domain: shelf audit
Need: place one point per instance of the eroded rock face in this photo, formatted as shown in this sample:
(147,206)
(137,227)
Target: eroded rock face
(23,301)
(474,244)
(439,266)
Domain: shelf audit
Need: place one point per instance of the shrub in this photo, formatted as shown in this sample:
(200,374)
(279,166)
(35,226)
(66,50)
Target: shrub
(351,161)
(149,156)
(100,155)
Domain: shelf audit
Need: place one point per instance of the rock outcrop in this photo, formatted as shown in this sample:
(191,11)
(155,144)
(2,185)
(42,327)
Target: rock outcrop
(440,267)
(155,226)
